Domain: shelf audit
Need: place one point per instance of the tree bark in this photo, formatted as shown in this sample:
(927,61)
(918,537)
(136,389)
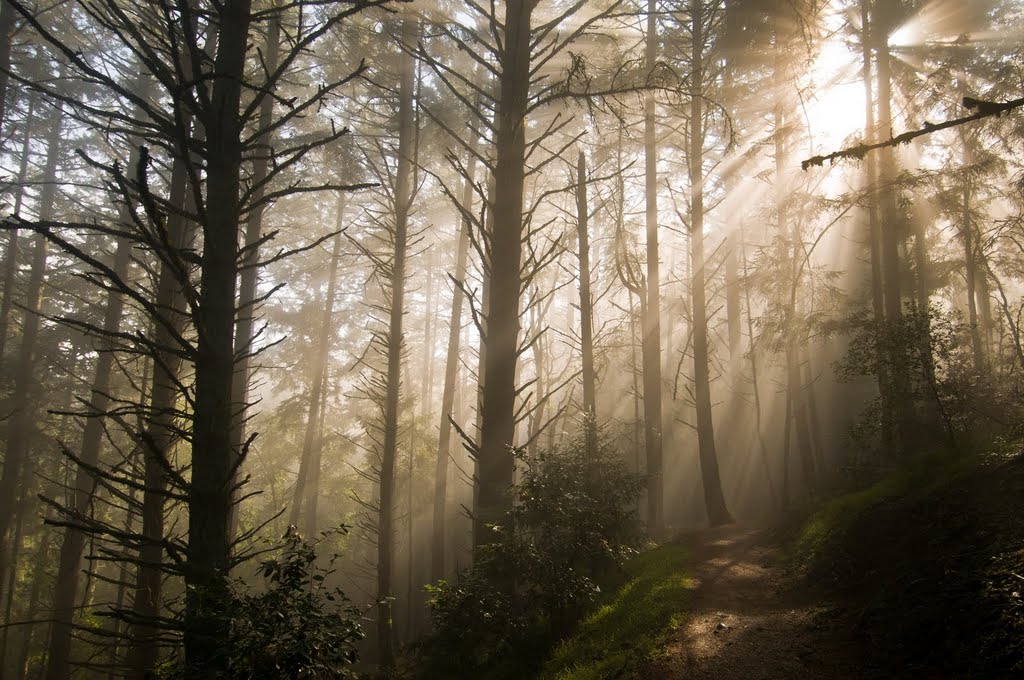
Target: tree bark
(791,255)
(307,491)
(586,305)
(159,436)
(213,458)
(6,29)
(389,449)
(19,424)
(874,235)
(11,251)
(497,435)
(890,240)
(69,565)
(714,499)
(651,344)
(437,564)
(247,277)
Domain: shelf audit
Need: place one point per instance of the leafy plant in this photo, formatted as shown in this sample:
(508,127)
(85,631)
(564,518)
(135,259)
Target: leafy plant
(297,626)
(573,519)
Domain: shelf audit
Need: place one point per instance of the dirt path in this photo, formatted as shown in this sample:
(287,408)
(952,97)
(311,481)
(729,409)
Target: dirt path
(750,619)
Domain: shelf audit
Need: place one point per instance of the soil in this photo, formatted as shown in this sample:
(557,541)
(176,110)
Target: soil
(752,618)
(925,586)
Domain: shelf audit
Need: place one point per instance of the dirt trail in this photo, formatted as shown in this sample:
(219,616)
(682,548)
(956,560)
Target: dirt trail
(750,619)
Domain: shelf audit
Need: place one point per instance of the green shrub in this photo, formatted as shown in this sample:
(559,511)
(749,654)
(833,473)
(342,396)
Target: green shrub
(573,519)
(296,627)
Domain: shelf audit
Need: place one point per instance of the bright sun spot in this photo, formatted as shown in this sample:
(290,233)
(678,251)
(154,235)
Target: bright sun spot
(836,109)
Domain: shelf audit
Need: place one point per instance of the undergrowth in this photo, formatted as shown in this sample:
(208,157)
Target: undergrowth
(929,561)
(822,533)
(628,628)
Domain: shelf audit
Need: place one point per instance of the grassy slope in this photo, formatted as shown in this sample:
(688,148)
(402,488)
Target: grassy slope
(627,629)
(926,559)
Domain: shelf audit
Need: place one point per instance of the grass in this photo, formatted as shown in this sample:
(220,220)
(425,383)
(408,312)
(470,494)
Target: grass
(628,629)
(917,477)
(926,562)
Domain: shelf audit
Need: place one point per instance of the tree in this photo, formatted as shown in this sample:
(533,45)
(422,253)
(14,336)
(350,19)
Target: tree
(219,93)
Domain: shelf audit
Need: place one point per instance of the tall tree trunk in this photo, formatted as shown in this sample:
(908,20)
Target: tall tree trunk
(213,461)
(497,435)
(389,449)
(25,495)
(890,237)
(971,276)
(33,605)
(70,563)
(755,384)
(714,500)
(586,305)
(310,522)
(426,386)
(11,251)
(874,235)
(250,258)
(451,370)
(159,437)
(19,423)
(307,491)
(651,347)
(6,29)
(813,418)
(791,255)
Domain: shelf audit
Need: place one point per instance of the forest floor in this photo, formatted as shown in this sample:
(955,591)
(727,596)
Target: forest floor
(751,617)
(919,575)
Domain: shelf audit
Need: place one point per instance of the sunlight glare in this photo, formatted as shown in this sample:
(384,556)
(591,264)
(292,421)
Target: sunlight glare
(836,109)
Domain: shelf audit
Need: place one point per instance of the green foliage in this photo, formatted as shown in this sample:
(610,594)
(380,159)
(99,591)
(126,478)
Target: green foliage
(932,349)
(929,560)
(572,521)
(820,539)
(297,627)
(627,630)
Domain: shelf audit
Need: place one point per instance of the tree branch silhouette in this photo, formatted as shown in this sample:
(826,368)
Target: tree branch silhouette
(985,109)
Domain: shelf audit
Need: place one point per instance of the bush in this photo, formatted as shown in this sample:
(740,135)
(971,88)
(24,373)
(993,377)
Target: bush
(297,626)
(573,519)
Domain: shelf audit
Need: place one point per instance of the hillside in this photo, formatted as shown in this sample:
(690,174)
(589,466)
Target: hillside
(918,574)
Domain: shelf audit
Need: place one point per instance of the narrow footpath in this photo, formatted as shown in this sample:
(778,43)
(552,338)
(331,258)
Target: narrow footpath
(750,618)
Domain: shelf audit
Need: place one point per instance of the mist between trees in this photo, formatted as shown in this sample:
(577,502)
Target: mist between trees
(472,293)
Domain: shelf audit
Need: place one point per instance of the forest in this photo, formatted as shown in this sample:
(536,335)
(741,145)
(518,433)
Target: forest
(437,339)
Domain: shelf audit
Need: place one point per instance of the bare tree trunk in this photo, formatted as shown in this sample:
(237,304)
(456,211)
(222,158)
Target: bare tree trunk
(497,435)
(890,240)
(426,388)
(811,400)
(586,305)
(11,251)
(755,382)
(157,441)
(210,491)
(19,424)
(6,29)
(437,564)
(714,500)
(389,449)
(874,234)
(25,495)
(250,257)
(70,563)
(651,347)
(307,490)
(33,605)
